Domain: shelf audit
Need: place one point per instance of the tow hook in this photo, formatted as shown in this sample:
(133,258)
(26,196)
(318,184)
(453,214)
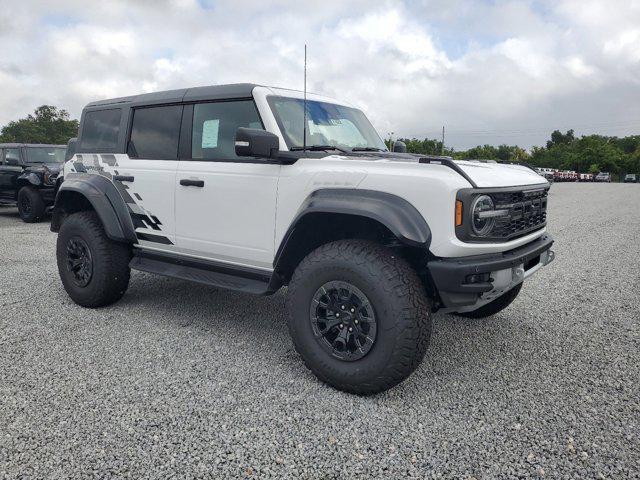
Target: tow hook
(547,257)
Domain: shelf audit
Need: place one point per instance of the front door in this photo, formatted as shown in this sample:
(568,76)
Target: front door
(225,205)
(9,173)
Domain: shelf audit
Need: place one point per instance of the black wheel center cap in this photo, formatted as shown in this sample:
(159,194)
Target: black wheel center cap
(343,320)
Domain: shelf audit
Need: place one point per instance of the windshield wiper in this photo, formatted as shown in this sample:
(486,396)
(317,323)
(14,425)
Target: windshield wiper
(316,148)
(367,149)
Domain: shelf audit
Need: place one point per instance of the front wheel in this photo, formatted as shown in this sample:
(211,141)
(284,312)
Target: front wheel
(494,306)
(358,316)
(93,268)
(31,207)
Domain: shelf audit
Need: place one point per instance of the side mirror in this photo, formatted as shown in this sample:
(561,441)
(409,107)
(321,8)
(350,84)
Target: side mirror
(71,149)
(14,162)
(251,142)
(399,147)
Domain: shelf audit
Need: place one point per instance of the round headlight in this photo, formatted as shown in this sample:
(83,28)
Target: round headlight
(481,224)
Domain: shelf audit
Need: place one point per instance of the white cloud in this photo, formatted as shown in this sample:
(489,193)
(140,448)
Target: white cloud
(492,72)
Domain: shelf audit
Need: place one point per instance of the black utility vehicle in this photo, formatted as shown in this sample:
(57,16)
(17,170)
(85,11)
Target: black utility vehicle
(29,177)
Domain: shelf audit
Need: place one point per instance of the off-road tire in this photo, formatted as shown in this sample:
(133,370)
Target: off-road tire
(402,311)
(494,306)
(110,261)
(35,213)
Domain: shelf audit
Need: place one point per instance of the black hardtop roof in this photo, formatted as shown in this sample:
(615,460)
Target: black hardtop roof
(211,92)
(18,145)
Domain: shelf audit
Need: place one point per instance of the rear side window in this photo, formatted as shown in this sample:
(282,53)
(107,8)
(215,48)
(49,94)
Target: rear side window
(100,130)
(215,125)
(155,133)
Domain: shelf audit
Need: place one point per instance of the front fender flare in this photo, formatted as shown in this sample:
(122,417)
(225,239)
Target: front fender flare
(29,178)
(105,200)
(402,219)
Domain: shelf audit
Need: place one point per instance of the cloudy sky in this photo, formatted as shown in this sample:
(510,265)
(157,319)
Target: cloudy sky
(490,71)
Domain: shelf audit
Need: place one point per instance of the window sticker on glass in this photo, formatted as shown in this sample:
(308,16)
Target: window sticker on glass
(210,133)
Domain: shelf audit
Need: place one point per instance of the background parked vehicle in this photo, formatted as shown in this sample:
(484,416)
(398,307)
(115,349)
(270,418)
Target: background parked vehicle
(630,178)
(603,177)
(29,177)
(585,177)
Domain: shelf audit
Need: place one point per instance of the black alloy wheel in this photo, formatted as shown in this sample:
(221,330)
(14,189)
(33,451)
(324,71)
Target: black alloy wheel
(79,261)
(343,321)
(25,205)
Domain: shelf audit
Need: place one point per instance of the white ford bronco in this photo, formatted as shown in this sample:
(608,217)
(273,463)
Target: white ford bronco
(253,188)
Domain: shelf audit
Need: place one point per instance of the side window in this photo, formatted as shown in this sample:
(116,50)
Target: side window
(12,154)
(100,130)
(1,156)
(215,125)
(155,133)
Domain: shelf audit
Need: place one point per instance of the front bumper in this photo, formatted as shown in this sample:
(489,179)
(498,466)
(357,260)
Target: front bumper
(467,283)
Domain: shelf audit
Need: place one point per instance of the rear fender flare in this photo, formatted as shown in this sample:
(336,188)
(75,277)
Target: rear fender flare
(105,200)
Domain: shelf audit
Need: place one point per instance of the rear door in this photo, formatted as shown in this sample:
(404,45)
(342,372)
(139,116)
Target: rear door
(147,174)
(225,204)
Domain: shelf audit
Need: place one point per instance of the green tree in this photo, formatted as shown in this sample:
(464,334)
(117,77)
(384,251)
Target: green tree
(558,138)
(426,147)
(48,124)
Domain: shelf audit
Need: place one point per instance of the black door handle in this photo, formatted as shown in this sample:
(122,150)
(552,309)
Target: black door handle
(123,178)
(187,182)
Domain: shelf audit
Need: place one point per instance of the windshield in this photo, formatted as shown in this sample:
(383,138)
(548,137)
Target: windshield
(46,154)
(328,125)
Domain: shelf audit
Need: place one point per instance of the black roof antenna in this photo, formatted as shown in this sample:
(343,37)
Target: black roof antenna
(304,115)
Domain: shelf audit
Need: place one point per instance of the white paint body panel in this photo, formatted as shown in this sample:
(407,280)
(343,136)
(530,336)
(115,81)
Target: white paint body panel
(154,182)
(430,188)
(231,219)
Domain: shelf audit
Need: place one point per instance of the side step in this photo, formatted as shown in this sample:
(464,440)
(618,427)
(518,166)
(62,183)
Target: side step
(208,273)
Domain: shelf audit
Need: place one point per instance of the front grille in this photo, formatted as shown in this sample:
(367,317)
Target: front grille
(527,212)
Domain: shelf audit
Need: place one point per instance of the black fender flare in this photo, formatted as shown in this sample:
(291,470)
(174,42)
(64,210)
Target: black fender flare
(401,218)
(105,199)
(28,178)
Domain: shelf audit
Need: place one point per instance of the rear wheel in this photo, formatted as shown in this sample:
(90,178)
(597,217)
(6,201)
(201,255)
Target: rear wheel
(30,205)
(358,316)
(94,269)
(494,306)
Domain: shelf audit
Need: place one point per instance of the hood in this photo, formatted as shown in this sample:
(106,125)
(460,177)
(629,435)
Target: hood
(499,174)
(41,167)
(483,173)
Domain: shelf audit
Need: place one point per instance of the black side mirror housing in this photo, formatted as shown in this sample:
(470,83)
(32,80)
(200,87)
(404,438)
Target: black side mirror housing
(71,149)
(252,142)
(14,162)
(399,147)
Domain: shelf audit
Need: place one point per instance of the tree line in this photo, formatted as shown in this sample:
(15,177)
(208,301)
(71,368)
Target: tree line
(564,151)
(47,124)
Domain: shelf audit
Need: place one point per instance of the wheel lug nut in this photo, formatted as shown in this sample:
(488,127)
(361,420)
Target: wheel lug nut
(355,321)
(341,325)
(338,315)
(351,329)
(353,310)
(342,307)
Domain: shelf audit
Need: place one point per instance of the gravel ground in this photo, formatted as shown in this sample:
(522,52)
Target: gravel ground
(179,380)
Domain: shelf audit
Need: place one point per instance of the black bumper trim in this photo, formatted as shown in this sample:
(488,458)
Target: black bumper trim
(449,274)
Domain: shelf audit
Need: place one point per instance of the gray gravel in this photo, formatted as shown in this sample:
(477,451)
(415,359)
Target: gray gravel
(179,380)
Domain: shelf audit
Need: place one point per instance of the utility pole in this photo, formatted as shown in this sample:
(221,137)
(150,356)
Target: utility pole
(442,144)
